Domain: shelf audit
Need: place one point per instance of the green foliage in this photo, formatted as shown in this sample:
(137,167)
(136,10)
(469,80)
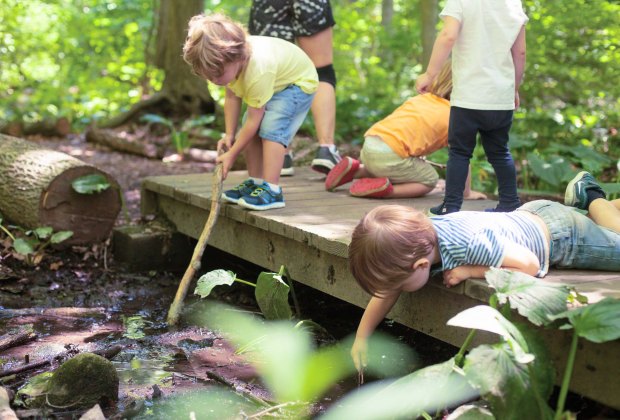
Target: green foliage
(90,184)
(30,245)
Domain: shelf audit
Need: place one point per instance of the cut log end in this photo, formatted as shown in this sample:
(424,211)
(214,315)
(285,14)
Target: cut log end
(90,217)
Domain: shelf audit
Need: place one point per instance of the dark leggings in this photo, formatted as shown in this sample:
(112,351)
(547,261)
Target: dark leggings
(493,127)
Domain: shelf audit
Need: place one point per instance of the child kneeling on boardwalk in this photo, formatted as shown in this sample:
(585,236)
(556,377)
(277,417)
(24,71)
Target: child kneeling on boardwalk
(393,163)
(277,82)
(394,247)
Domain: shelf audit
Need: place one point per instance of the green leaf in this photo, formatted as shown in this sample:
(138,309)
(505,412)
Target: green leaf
(532,297)
(485,318)
(323,369)
(208,281)
(272,296)
(61,236)
(90,184)
(43,232)
(597,322)
(157,119)
(504,383)
(555,171)
(24,246)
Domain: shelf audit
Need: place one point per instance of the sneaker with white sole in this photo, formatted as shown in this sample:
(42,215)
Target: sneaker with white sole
(325,160)
(262,198)
(245,188)
(287,166)
(342,173)
(576,194)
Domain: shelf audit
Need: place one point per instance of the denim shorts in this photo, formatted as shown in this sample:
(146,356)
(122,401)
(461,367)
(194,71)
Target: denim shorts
(284,114)
(381,161)
(576,241)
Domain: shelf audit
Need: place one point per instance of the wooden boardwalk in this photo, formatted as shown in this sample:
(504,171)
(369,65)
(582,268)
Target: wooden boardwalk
(310,236)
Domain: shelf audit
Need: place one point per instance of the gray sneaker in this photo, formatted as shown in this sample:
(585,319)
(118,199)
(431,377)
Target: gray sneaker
(287,166)
(576,194)
(325,160)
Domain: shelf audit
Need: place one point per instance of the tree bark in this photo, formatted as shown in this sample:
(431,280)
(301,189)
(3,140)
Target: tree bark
(428,9)
(36,191)
(183,93)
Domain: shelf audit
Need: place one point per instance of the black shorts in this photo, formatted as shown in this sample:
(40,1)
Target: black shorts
(289,19)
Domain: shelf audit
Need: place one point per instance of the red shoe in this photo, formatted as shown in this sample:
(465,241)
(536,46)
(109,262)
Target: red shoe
(371,187)
(343,172)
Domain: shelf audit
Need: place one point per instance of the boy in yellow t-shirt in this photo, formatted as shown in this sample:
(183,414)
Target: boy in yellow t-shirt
(392,157)
(275,79)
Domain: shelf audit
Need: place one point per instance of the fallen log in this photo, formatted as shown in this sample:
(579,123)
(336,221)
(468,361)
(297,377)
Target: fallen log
(68,312)
(20,335)
(107,353)
(36,191)
(48,127)
(123,142)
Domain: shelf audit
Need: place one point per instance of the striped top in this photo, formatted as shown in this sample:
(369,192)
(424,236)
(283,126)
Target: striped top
(479,238)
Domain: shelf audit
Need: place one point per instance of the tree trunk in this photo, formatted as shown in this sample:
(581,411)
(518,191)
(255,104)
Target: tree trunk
(36,191)
(428,15)
(183,93)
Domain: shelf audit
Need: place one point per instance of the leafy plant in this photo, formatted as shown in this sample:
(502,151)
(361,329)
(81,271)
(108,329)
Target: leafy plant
(31,245)
(180,138)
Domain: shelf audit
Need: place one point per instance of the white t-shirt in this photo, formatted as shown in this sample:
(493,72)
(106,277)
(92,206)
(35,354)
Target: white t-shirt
(483,73)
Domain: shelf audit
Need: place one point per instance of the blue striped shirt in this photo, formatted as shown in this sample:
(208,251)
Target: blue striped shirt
(479,238)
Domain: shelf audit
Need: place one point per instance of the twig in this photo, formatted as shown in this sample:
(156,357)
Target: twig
(270,409)
(58,312)
(194,265)
(247,394)
(22,335)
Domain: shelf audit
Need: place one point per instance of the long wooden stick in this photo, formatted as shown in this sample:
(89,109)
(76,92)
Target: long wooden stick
(194,265)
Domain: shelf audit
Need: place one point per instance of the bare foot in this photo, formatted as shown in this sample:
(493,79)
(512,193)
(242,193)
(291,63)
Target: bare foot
(475,195)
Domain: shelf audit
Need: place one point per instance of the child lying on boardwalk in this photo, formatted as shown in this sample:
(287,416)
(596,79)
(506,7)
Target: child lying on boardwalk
(393,247)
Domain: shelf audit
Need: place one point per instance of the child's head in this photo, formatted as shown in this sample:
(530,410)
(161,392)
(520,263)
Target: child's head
(214,42)
(385,246)
(442,86)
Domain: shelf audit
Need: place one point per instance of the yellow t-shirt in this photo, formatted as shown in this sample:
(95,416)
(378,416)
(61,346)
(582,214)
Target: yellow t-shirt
(274,65)
(416,128)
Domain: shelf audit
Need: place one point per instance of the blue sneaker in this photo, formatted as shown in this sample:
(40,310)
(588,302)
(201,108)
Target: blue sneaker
(245,188)
(262,198)
(576,194)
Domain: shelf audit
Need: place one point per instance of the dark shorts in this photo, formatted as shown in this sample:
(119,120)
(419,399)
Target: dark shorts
(289,19)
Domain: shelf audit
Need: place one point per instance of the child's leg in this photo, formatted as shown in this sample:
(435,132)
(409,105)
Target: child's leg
(606,213)
(495,143)
(462,133)
(254,158)
(273,157)
(409,190)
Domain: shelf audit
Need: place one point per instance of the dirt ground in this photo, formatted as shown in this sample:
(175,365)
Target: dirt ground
(154,361)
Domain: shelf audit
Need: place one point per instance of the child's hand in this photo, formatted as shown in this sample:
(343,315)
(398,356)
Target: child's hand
(456,275)
(224,144)
(359,352)
(423,83)
(226,159)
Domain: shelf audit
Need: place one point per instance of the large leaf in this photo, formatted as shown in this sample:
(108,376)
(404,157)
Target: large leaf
(61,236)
(485,318)
(272,296)
(208,281)
(426,390)
(323,369)
(533,298)
(25,246)
(505,383)
(43,232)
(157,119)
(90,184)
(556,170)
(598,322)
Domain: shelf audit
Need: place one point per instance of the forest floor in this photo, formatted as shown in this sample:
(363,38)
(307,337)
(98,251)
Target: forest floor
(155,361)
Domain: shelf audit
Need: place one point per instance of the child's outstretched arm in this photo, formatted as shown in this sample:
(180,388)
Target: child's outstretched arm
(516,258)
(518,58)
(441,50)
(376,310)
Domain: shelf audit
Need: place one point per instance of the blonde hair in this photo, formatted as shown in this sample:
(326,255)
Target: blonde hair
(442,86)
(385,245)
(214,41)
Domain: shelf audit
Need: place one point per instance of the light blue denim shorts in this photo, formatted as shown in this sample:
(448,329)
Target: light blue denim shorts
(576,241)
(381,161)
(284,114)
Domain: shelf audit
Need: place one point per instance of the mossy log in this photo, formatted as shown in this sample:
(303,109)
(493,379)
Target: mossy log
(36,191)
